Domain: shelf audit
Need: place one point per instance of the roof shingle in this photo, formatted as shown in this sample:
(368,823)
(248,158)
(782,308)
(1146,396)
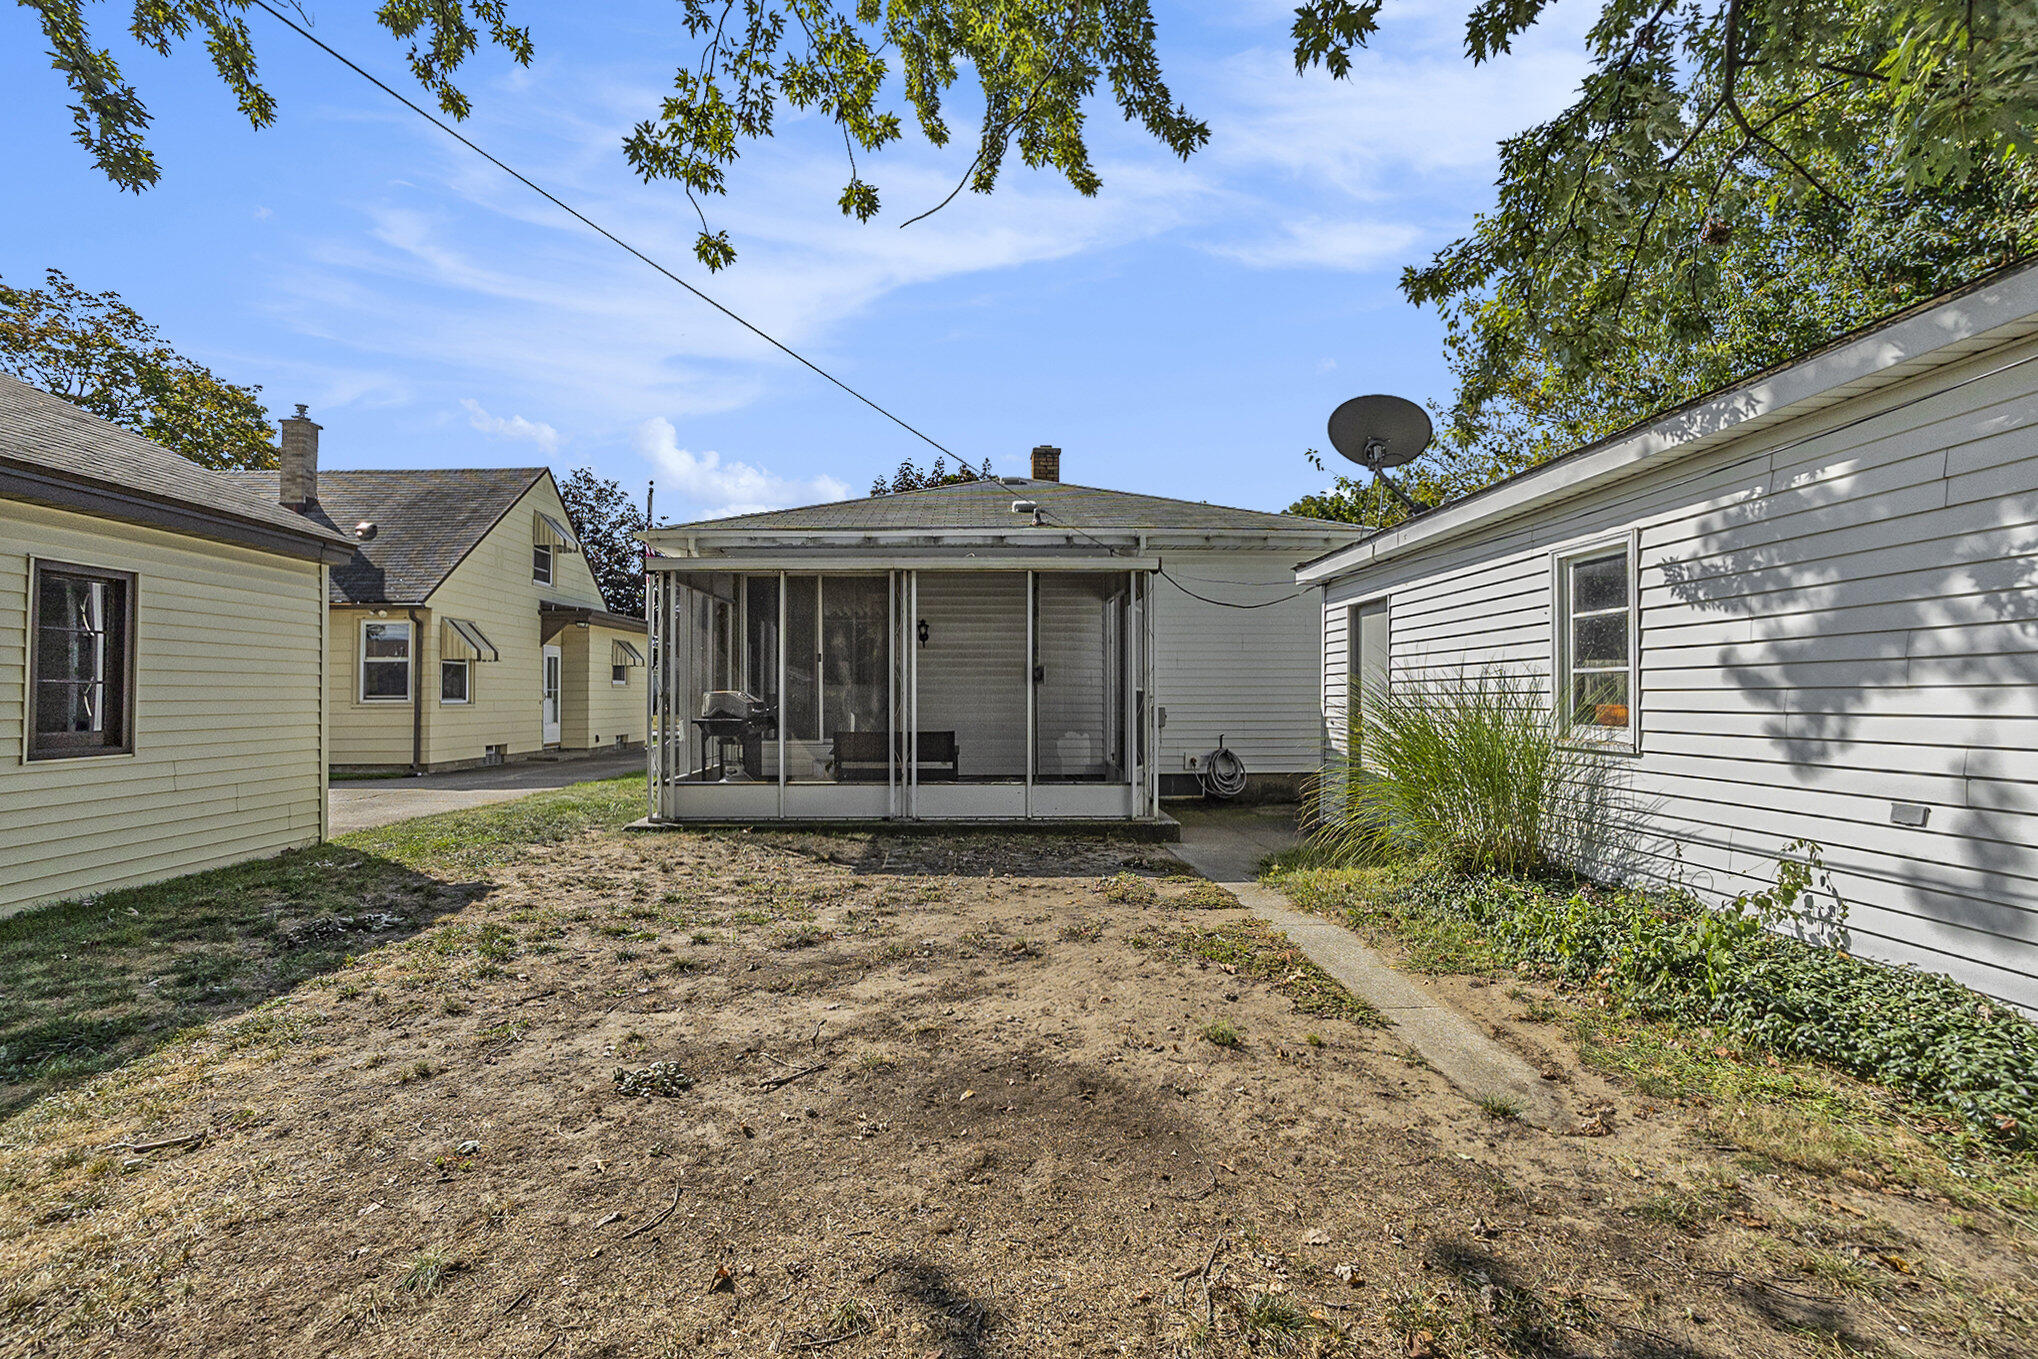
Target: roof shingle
(426,521)
(48,434)
(987,505)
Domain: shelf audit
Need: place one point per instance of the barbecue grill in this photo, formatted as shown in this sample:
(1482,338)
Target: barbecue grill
(730,715)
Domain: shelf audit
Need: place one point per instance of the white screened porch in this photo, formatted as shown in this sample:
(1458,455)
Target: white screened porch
(960,689)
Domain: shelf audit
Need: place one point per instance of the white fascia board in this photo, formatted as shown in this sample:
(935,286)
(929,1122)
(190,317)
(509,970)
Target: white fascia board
(680,541)
(1880,358)
(849,563)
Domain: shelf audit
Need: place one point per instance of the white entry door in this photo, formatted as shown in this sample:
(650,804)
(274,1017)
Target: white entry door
(552,670)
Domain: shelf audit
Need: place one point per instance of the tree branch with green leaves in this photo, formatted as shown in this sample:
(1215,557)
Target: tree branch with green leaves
(95,351)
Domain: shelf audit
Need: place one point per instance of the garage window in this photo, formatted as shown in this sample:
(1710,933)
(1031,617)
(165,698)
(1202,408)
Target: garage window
(81,662)
(1596,643)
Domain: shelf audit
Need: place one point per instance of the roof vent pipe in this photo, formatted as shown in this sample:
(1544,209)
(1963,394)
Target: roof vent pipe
(297,461)
(1046,463)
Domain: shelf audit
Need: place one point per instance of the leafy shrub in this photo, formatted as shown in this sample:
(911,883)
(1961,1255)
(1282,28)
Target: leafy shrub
(1467,769)
(1664,954)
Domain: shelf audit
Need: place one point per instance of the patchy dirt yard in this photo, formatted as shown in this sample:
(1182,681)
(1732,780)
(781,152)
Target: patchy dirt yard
(722,1094)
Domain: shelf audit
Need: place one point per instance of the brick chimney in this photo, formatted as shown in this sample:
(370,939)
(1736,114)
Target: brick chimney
(1046,463)
(297,460)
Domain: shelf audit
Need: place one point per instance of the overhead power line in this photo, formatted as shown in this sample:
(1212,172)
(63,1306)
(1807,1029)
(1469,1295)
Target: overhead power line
(1161,570)
(591,224)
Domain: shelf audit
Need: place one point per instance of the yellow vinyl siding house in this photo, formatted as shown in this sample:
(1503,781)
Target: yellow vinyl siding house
(467,628)
(162,633)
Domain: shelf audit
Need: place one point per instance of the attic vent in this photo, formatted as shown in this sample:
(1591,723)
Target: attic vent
(365,530)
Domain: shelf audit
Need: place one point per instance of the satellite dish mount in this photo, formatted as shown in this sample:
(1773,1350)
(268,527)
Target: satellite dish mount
(1379,432)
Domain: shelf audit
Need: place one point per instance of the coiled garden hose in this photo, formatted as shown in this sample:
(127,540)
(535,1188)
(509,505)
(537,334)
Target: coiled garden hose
(1223,772)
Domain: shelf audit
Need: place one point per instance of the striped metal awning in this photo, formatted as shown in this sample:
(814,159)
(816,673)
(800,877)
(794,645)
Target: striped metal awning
(551,533)
(460,640)
(622,653)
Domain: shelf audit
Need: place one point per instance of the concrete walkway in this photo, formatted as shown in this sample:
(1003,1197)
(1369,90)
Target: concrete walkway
(358,804)
(1227,847)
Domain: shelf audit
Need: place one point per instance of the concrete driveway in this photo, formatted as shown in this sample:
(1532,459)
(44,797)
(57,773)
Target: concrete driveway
(363,803)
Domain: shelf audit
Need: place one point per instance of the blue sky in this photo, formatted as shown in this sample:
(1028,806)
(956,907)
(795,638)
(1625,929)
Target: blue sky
(1186,332)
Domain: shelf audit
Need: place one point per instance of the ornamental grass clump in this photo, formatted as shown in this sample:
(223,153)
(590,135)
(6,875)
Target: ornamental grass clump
(1467,770)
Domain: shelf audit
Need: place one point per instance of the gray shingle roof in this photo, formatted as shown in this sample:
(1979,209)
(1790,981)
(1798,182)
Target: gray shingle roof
(426,521)
(48,434)
(988,505)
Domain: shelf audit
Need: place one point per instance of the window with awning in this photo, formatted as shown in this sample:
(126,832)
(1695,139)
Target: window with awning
(621,657)
(461,640)
(549,532)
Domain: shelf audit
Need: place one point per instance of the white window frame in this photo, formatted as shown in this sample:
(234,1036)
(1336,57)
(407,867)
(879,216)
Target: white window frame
(361,661)
(551,563)
(467,668)
(624,672)
(1627,739)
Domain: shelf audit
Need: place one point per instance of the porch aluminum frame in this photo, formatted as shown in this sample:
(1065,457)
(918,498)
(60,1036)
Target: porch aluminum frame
(674,796)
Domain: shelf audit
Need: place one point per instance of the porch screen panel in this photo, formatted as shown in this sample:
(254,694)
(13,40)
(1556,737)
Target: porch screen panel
(971,674)
(853,623)
(760,639)
(1081,629)
(839,724)
(715,670)
(802,658)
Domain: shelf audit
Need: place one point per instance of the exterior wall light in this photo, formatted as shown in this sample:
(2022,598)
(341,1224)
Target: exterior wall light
(924,631)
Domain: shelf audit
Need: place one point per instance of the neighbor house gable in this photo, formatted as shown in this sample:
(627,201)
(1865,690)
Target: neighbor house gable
(502,556)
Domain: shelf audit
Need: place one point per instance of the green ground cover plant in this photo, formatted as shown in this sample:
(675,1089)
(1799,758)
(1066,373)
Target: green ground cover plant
(1451,820)
(1665,955)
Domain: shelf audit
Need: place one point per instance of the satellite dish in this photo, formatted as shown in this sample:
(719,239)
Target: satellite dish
(1378,432)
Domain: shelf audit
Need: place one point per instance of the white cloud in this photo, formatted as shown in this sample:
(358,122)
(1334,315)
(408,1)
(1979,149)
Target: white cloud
(1396,126)
(516,428)
(720,488)
(1317,243)
(475,274)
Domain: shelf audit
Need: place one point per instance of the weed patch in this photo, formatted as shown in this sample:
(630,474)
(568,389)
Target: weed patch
(1251,948)
(1128,889)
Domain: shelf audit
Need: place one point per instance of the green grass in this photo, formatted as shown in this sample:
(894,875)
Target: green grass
(88,985)
(454,843)
(427,1272)
(1222,1033)
(1254,949)
(1502,1108)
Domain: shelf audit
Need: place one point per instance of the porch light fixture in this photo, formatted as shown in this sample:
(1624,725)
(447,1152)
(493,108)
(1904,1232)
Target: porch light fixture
(924,631)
